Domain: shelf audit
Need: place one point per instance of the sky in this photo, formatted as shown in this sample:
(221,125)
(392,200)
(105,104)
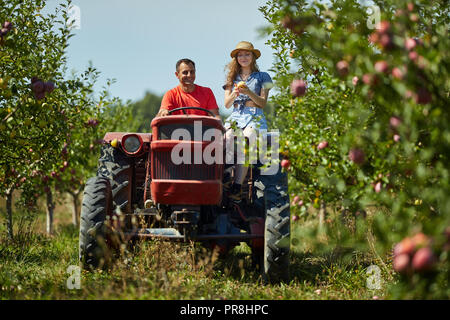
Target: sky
(138,42)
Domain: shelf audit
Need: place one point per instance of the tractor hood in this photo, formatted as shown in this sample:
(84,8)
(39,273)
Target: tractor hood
(110,136)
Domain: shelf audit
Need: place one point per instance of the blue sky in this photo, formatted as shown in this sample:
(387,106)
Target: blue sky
(138,42)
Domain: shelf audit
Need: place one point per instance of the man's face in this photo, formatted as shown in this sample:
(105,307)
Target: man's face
(186,74)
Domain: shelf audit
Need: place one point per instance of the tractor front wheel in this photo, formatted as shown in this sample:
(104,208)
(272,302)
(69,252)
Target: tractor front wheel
(94,245)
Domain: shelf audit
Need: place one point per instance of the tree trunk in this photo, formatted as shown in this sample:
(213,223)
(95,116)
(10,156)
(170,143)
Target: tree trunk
(9,224)
(76,206)
(50,207)
(322,216)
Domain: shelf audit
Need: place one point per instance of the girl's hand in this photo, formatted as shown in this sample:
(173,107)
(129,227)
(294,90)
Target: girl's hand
(236,92)
(244,90)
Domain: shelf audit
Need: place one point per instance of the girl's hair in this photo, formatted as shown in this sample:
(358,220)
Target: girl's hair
(234,69)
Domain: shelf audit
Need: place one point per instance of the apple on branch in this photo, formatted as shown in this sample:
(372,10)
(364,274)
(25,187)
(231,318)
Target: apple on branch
(298,88)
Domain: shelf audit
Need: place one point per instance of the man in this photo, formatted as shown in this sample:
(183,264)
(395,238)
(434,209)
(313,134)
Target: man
(188,94)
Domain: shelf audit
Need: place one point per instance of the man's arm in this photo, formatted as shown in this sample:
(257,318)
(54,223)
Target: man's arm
(166,102)
(212,104)
(216,113)
(162,112)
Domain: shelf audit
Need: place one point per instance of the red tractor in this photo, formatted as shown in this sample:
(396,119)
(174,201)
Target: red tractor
(142,192)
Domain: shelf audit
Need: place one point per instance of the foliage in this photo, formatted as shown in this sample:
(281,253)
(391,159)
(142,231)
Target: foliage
(378,94)
(144,111)
(49,123)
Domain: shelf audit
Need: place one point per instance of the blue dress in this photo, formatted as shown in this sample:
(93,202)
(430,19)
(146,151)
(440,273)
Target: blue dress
(249,116)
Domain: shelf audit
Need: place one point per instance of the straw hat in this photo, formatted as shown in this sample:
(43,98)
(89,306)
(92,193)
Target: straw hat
(245,45)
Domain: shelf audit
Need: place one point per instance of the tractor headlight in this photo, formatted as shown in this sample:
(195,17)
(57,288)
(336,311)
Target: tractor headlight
(131,144)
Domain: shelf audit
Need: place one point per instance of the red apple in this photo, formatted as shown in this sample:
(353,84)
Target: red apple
(396,137)
(8,25)
(368,79)
(37,86)
(397,73)
(294,218)
(296,199)
(322,145)
(381,66)
(410,44)
(374,37)
(395,122)
(377,187)
(423,96)
(357,156)
(413,17)
(4,31)
(285,163)
(298,88)
(383,26)
(355,80)
(401,263)
(406,246)
(39,95)
(413,55)
(420,240)
(342,67)
(423,259)
(295,25)
(49,86)
(386,41)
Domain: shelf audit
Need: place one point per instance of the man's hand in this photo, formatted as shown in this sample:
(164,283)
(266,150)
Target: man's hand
(163,113)
(216,114)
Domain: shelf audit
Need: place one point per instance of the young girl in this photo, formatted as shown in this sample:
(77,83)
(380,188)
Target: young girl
(247,90)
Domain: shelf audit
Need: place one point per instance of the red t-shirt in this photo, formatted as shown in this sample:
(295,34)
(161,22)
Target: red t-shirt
(202,97)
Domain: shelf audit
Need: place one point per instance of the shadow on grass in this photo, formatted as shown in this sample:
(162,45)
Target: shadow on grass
(311,267)
(316,267)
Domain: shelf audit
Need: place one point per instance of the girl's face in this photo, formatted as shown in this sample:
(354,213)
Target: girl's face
(244,58)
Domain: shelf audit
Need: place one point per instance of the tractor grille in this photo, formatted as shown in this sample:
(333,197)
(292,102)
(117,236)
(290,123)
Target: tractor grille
(166,169)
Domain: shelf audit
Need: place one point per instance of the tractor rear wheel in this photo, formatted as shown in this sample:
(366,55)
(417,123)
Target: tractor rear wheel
(276,244)
(275,258)
(94,247)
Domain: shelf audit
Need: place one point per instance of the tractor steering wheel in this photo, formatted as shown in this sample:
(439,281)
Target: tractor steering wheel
(197,108)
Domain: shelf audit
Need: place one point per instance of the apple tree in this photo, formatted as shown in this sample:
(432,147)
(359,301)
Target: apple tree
(363,96)
(39,106)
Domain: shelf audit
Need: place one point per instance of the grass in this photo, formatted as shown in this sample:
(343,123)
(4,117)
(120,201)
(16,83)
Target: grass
(34,266)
